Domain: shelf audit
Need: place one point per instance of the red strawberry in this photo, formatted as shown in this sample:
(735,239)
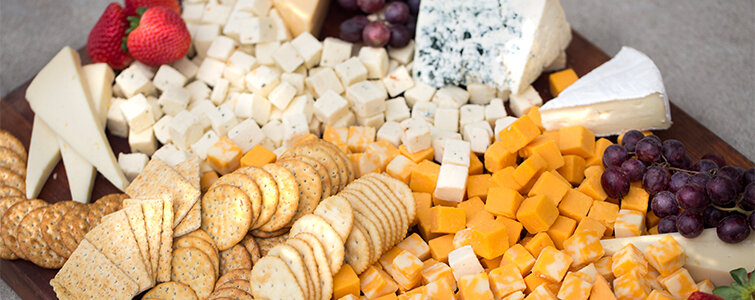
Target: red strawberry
(105,39)
(703,296)
(160,37)
(132,5)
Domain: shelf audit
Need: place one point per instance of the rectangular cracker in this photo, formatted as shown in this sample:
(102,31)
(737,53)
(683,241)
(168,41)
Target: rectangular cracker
(159,178)
(191,222)
(88,274)
(138,228)
(166,240)
(153,221)
(113,237)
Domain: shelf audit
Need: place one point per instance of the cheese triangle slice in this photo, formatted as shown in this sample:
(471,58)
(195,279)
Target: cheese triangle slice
(44,154)
(625,93)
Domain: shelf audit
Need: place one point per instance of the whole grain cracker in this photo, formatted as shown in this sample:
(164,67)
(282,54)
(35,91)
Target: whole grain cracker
(12,161)
(8,140)
(265,244)
(138,228)
(362,209)
(51,226)
(199,233)
(338,213)
(273,279)
(348,168)
(103,206)
(153,219)
(165,255)
(88,274)
(309,184)
(358,247)
(318,154)
(323,265)
(192,267)
(240,284)
(5,204)
(73,226)
(238,274)
(328,237)
(293,260)
(230,293)
(226,215)
(192,221)
(204,246)
(171,290)
(235,258)
(11,179)
(265,234)
(250,188)
(7,191)
(29,236)
(10,220)
(288,199)
(402,192)
(268,189)
(158,178)
(251,246)
(189,170)
(308,257)
(324,178)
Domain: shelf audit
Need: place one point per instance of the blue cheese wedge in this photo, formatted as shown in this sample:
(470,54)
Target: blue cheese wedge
(625,93)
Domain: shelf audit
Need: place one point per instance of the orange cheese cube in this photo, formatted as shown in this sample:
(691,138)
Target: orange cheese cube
(665,255)
(416,245)
(561,230)
(463,238)
(601,290)
(481,217)
(534,114)
(547,149)
(387,297)
(605,213)
(575,287)
(498,157)
(584,248)
(627,259)
(424,177)
(542,292)
(475,165)
(590,224)
(385,150)
(207,179)
(492,263)
(550,186)
(514,296)
(406,270)
(576,140)
(552,264)
(537,214)
(360,137)
(422,200)
(653,230)
(367,162)
(592,187)
(597,158)
(588,272)
(224,157)
(537,243)
(706,286)
(471,207)
(603,265)
(375,282)
(660,295)
(506,280)
(636,199)
(490,239)
(679,284)
(447,219)
(519,134)
(439,290)
(533,282)
(529,170)
(559,81)
(475,287)
(552,134)
(424,220)
(594,171)
(513,227)
(418,156)
(477,186)
(573,169)
(349,297)
(386,260)
(629,223)
(345,282)
(520,257)
(651,219)
(441,246)
(258,156)
(503,202)
(505,178)
(575,205)
(438,272)
(631,286)
(400,168)
(339,136)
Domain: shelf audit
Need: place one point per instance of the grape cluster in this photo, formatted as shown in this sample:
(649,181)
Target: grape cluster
(394,27)
(687,197)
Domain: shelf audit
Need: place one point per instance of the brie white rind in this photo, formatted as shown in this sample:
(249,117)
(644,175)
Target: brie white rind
(624,93)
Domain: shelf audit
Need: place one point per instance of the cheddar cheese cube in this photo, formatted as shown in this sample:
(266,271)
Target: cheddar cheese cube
(441,246)
(597,158)
(503,202)
(375,282)
(424,177)
(576,140)
(406,270)
(224,157)
(513,227)
(367,162)
(481,217)
(519,257)
(575,287)
(552,264)
(541,293)
(463,238)
(537,243)
(584,248)
(659,295)
(439,290)
(258,156)
(573,169)
(629,223)
(477,186)
(551,134)
(387,297)
(627,259)
(651,219)
(547,149)
(550,186)
(505,178)
(605,213)
(475,287)
(590,224)
(603,265)
(360,137)
(416,245)
(475,165)
(498,157)
(636,199)
(559,81)
(537,214)
(447,219)
(207,179)
(631,286)
(418,156)
(438,272)
(679,284)
(561,230)
(575,205)
(528,171)
(345,282)
(519,134)
(422,200)
(665,255)
(601,290)
(339,136)
(594,171)
(424,220)
(534,114)
(490,239)
(471,207)
(400,168)
(506,280)
(592,187)
(490,264)
(706,286)
(463,262)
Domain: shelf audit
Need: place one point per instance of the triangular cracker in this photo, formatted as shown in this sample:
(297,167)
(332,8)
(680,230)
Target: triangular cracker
(189,170)
(153,220)
(166,241)
(138,227)
(191,222)
(88,274)
(159,178)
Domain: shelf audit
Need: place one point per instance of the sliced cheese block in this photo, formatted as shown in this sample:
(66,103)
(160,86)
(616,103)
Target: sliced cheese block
(44,154)
(60,96)
(707,257)
(303,15)
(625,93)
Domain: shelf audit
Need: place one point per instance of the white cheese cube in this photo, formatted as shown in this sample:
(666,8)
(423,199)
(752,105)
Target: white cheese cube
(471,113)
(348,119)
(478,138)
(257,30)
(116,121)
(521,103)
(424,111)
(463,261)
(143,141)
(221,48)
(233,25)
(187,68)
(242,105)
(440,138)
(154,108)
(200,109)
(167,76)
(451,96)
(192,12)
(410,67)
(330,107)
(334,52)
(480,93)
(206,33)
(420,92)
(220,91)
(287,57)
(241,60)
(210,71)
(192,29)
(494,111)
(456,152)
(204,143)
(351,71)
(281,30)
(132,164)
(131,82)
(447,119)
(303,104)
(198,90)
(391,132)
(137,113)
(147,71)
(301,70)
(282,95)
(309,49)
(315,127)
(323,80)
(185,129)
(246,135)
(216,13)
(174,100)
(170,155)
(117,91)
(452,182)
(398,81)
(375,60)
(295,127)
(403,55)
(396,110)
(162,129)
(375,120)
(274,132)
(366,97)
(222,119)
(392,65)
(257,7)
(262,80)
(415,135)
(261,109)
(483,125)
(264,52)
(296,80)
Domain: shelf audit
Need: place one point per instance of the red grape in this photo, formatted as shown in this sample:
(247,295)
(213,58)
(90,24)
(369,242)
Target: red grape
(734,174)
(751,219)
(692,198)
(655,180)
(674,152)
(677,181)
(630,139)
(667,224)
(712,215)
(648,149)
(721,190)
(400,36)
(664,204)
(396,12)
(705,166)
(700,179)
(413,6)
(733,229)
(411,25)
(715,157)
(349,4)
(634,169)
(351,29)
(687,164)
(689,224)
(376,34)
(748,176)
(614,155)
(371,6)
(748,197)
(615,183)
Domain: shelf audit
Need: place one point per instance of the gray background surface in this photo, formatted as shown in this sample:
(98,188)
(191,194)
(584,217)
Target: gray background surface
(704,48)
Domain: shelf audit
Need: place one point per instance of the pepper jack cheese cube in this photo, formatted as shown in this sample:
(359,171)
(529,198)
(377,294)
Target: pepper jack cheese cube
(246,135)
(132,82)
(471,113)
(447,219)
(478,135)
(396,110)
(174,99)
(258,156)
(606,213)
(584,248)
(627,259)
(400,168)
(204,143)
(631,285)
(629,223)
(375,282)
(438,272)
(416,135)
(576,140)
(561,229)
(406,270)
(224,157)
(561,80)
(345,282)
(397,81)
(419,93)
(334,52)
(451,97)
(541,292)
(573,169)
(550,186)
(490,239)
(475,286)
(415,245)
(506,280)
(452,183)
(597,158)
(463,262)
(552,264)
(665,255)
(521,103)
(137,113)
(574,287)
(497,157)
(185,129)
(262,80)
(537,214)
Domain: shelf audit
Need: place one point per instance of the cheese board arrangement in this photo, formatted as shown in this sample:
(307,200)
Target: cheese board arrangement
(363,149)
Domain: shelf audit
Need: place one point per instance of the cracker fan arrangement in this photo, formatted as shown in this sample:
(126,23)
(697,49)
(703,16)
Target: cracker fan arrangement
(407,157)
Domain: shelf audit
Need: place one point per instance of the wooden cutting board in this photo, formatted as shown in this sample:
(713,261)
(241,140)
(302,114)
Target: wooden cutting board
(32,282)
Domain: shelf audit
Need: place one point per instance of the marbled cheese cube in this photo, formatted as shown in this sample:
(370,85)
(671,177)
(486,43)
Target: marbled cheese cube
(210,71)
(309,49)
(396,110)
(375,282)
(246,135)
(375,60)
(131,81)
(463,238)
(452,182)
(521,103)
(456,152)
(224,157)
(584,248)
(679,283)
(665,255)
(514,296)
(706,286)
(631,285)
(520,257)
(360,137)
(463,262)
(434,271)
(339,136)
(603,265)
(398,81)
(137,113)
(385,150)
(143,141)
(552,264)
(475,286)
(262,80)
(628,258)
(480,93)
(415,135)
(322,80)
(406,270)
(541,293)
(506,280)
(629,223)
(415,245)
(451,97)
(351,71)
(590,271)
(575,287)
(132,163)
(659,295)
(420,92)
(400,168)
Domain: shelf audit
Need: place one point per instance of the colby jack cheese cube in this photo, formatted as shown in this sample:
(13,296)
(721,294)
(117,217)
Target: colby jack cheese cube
(400,168)
(406,270)
(631,285)
(520,257)
(665,255)
(575,287)
(435,271)
(627,259)
(552,264)
(375,282)
(584,248)
(629,223)
(224,157)
(416,245)
(475,286)
(506,280)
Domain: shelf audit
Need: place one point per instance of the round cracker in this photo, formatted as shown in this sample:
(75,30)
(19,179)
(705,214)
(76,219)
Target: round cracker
(323,266)
(273,279)
(394,205)
(268,189)
(232,275)
(7,191)
(308,257)
(226,215)
(402,192)
(51,226)
(265,234)
(206,247)
(240,284)
(193,267)
(11,179)
(251,246)
(11,142)
(250,188)
(324,178)
(199,233)
(318,154)
(358,249)
(74,226)
(372,231)
(5,204)
(231,293)
(29,236)
(340,155)
(328,237)
(171,290)
(104,206)
(288,200)
(13,161)
(235,258)
(12,218)
(343,172)
(265,244)
(309,184)
(369,197)
(338,213)
(294,261)
(381,186)
(362,208)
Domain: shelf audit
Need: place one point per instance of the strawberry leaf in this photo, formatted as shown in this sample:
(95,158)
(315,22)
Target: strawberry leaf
(742,289)
(740,275)
(141,10)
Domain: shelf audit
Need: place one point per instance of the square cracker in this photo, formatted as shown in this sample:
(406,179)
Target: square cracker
(191,222)
(113,237)
(189,170)
(159,178)
(153,220)
(139,229)
(88,274)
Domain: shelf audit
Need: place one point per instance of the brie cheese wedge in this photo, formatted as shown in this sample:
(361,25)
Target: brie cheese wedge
(625,93)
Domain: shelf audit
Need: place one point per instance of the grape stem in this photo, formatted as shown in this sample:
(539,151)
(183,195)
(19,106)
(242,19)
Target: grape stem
(736,209)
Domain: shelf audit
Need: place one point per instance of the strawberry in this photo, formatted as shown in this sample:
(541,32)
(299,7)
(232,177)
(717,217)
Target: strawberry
(132,5)
(105,39)
(703,296)
(158,37)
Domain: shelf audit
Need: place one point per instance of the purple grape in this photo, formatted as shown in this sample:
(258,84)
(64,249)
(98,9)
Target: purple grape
(721,190)
(400,36)
(371,6)
(704,166)
(614,155)
(349,4)
(700,179)
(677,181)
(630,139)
(376,34)
(411,25)
(715,157)
(687,164)
(667,224)
(648,149)
(674,152)
(690,225)
(712,215)
(634,169)
(615,183)
(734,174)
(748,197)
(396,12)
(733,229)
(751,218)
(664,204)
(655,180)
(692,198)
(655,137)
(351,29)
(413,6)
(748,176)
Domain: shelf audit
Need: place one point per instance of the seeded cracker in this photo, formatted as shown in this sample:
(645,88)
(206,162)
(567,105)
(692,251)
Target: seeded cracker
(268,189)
(328,237)
(241,284)
(199,233)
(158,178)
(193,268)
(5,204)
(235,258)
(153,219)
(12,161)
(29,235)
(344,163)
(138,228)
(171,290)
(402,191)
(226,215)
(318,154)
(246,184)
(189,170)
(6,191)
(321,171)
(338,213)
(288,199)
(231,293)
(265,244)
(11,179)
(164,255)
(233,275)
(273,279)
(294,262)
(104,206)
(371,231)
(362,210)
(265,234)
(10,220)
(309,184)
(204,246)
(308,257)
(51,226)
(323,265)
(251,246)
(358,247)
(11,142)
(73,226)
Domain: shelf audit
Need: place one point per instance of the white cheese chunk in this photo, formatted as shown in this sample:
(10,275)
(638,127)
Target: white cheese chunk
(403,55)
(334,52)
(452,182)
(216,13)
(440,137)
(396,110)
(348,119)
(221,48)
(471,113)
(520,104)
(415,135)
(261,109)
(257,30)
(170,155)
(391,132)
(274,131)
(137,113)
(558,64)
(205,34)
(425,111)
(44,155)
(282,95)
(220,91)
(143,141)
(451,97)
(456,152)
(393,65)
(185,129)
(131,82)
(303,104)
(174,100)
(210,71)
(309,49)
(242,106)
(204,143)
(315,127)
(463,261)
(375,60)
(420,92)
(116,122)
(246,135)
(480,93)
(198,90)
(132,164)
(447,119)
(162,129)
(287,57)
(147,71)
(478,136)
(398,81)
(222,119)
(262,80)
(264,52)
(187,68)
(193,12)
(257,7)
(232,26)
(375,120)
(295,127)
(154,108)
(281,30)
(495,111)
(330,107)
(323,80)
(296,80)
(241,60)
(351,71)
(167,76)
(366,97)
